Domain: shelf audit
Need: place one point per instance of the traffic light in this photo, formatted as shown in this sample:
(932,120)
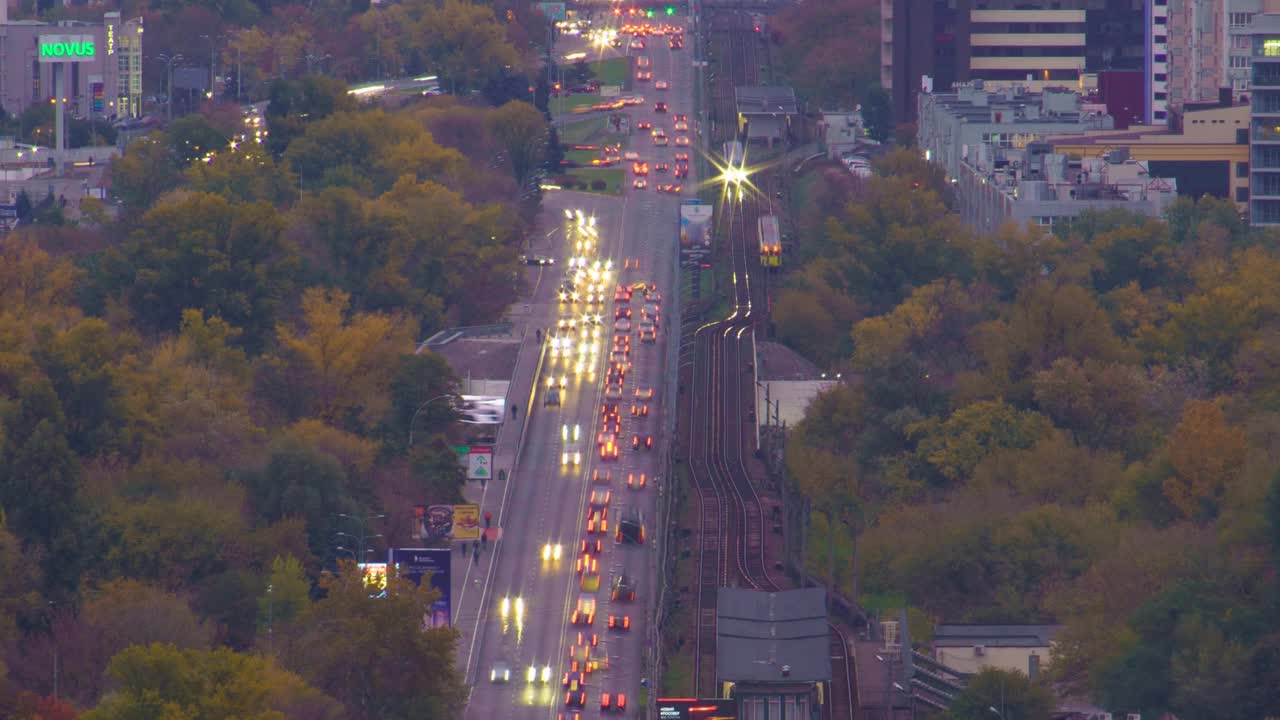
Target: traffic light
(671,10)
(648,13)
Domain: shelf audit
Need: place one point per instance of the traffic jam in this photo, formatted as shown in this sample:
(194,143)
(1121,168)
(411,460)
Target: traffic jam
(608,321)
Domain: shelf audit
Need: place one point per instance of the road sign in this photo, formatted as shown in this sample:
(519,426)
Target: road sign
(480,463)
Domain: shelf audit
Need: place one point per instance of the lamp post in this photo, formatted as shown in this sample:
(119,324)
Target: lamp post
(213,60)
(168,61)
(422,407)
(312,58)
(360,537)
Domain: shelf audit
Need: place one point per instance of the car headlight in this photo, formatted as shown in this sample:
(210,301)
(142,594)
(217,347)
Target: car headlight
(532,673)
(546,673)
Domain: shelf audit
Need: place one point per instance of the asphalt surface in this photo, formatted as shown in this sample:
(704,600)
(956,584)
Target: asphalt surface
(546,502)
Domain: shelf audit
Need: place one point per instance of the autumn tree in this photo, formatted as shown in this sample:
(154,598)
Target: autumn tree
(423,679)
(344,363)
(287,595)
(162,680)
(522,132)
(954,446)
(1205,454)
(146,171)
(245,174)
(1013,693)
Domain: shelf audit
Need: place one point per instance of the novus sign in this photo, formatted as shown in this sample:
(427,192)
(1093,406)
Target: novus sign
(67,48)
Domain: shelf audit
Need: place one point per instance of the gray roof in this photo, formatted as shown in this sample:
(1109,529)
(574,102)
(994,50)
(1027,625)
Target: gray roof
(766,126)
(965,635)
(757,633)
(765,99)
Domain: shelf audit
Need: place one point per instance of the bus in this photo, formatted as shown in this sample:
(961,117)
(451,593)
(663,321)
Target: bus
(770,241)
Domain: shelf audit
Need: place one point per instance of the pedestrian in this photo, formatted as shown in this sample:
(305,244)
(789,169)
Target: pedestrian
(515,411)
(488,518)
(538,333)
(484,539)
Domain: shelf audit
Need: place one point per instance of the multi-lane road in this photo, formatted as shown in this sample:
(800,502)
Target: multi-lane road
(516,610)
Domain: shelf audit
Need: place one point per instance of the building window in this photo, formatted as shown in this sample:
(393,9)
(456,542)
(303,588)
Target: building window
(1161,57)
(1242,194)
(1239,19)
(1242,136)
(1161,77)
(1161,96)
(1240,42)
(1240,61)
(1242,169)
(1158,115)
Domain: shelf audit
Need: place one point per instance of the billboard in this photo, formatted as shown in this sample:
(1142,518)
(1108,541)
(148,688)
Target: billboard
(466,522)
(67,48)
(437,523)
(414,563)
(375,577)
(98,90)
(695,229)
(553,11)
(695,709)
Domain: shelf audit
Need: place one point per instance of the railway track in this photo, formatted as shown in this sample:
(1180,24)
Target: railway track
(731,532)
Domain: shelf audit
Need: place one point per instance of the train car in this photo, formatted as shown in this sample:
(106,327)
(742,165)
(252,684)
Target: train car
(770,241)
(733,154)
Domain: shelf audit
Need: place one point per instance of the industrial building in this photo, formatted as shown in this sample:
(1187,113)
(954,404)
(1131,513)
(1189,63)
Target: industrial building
(773,651)
(953,125)
(103,65)
(1205,150)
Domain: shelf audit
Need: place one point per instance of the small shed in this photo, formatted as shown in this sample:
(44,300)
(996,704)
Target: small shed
(765,112)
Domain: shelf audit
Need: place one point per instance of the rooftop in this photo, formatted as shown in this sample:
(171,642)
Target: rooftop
(973,102)
(765,99)
(966,635)
(759,633)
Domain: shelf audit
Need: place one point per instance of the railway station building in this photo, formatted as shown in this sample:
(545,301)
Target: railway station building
(773,652)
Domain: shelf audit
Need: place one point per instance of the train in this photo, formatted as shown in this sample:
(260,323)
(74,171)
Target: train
(770,241)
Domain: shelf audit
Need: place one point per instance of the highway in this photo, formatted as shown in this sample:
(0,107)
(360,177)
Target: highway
(546,502)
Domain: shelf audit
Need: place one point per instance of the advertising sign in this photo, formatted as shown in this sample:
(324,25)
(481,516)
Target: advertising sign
(66,48)
(466,522)
(553,11)
(480,463)
(438,522)
(375,577)
(610,91)
(695,229)
(693,709)
(99,93)
(413,564)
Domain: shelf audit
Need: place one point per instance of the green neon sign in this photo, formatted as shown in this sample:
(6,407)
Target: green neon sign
(67,50)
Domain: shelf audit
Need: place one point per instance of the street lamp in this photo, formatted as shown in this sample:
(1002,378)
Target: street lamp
(360,537)
(168,61)
(422,407)
(312,58)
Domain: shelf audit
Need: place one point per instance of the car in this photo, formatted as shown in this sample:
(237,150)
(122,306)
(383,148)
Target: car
(577,715)
(500,673)
(644,125)
(662,167)
(682,156)
(644,75)
(640,410)
(648,336)
(540,675)
(637,442)
(551,398)
(538,260)
(552,551)
(682,116)
(590,545)
(621,312)
(682,141)
(601,479)
(590,582)
(682,170)
(624,589)
(661,140)
(681,126)
(605,437)
(631,155)
(644,393)
(631,264)
(585,612)
(660,107)
(661,85)
(671,189)
(652,306)
(619,622)
(637,44)
(639,183)
(613,703)
(571,678)
(571,457)
(642,61)
(636,482)
(600,498)
(640,168)
(588,639)
(586,563)
(609,451)
(622,325)
(613,391)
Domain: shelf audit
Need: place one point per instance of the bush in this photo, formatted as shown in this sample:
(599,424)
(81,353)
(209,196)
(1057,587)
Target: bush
(599,185)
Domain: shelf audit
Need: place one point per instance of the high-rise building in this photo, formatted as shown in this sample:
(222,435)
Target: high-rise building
(1264,119)
(1036,43)
(1197,63)
(103,65)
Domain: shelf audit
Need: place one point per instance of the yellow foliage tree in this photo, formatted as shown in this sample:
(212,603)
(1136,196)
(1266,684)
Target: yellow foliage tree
(1206,454)
(349,361)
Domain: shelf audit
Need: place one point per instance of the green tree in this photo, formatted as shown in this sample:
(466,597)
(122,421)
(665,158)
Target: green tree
(296,103)
(522,131)
(192,137)
(147,170)
(245,174)
(162,681)
(1013,695)
(200,251)
(288,592)
(423,679)
(877,114)
(956,445)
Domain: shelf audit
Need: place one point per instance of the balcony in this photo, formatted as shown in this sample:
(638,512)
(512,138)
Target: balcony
(1265,104)
(1264,212)
(1265,186)
(1267,77)
(1268,134)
